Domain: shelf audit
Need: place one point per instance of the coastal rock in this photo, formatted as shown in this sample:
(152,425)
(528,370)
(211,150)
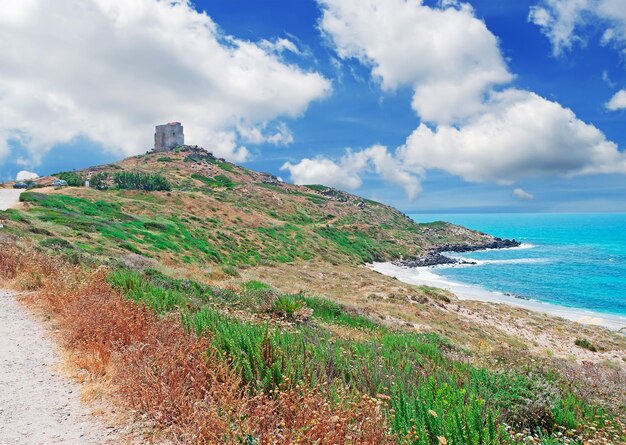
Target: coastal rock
(497,243)
(435,257)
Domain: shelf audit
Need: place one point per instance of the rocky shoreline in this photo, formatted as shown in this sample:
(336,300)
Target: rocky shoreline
(435,257)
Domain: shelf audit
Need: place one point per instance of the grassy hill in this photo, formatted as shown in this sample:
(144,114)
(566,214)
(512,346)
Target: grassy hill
(232,308)
(187,206)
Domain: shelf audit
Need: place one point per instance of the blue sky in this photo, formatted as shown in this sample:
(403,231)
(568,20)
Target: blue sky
(336,84)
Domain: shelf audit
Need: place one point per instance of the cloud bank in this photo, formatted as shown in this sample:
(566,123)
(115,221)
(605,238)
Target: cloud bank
(473,123)
(109,70)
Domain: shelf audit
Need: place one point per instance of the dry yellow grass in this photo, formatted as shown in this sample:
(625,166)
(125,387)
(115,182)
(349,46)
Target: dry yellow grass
(175,382)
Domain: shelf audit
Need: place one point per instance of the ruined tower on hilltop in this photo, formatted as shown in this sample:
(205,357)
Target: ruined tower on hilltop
(168,136)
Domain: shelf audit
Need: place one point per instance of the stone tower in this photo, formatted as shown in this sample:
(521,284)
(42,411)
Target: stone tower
(168,136)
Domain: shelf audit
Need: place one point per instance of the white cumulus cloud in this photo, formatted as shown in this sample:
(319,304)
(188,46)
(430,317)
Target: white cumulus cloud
(109,70)
(474,124)
(446,54)
(324,171)
(523,194)
(566,22)
(618,101)
(280,134)
(345,173)
(25,174)
(522,135)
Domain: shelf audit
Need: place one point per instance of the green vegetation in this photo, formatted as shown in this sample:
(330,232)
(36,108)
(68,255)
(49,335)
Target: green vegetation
(73,179)
(330,312)
(141,181)
(131,232)
(300,225)
(221,164)
(317,187)
(354,243)
(227,222)
(288,306)
(215,181)
(99,180)
(430,394)
(585,344)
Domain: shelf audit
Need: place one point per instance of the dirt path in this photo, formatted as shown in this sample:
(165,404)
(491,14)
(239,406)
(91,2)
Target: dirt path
(9,198)
(37,405)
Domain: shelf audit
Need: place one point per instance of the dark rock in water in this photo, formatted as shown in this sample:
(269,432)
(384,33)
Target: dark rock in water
(430,259)
(434,257)
(497,243)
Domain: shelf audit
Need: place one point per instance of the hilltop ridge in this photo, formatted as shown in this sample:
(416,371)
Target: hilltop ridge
(203,209)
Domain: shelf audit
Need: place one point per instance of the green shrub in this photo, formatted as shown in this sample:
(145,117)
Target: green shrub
(230,270)
(255,286)
(99,180)
(141,181)
(330,312)
(585,344)
(73,179)
(221,164)
(55,243)
(137,288)
(216,181)
(288,306)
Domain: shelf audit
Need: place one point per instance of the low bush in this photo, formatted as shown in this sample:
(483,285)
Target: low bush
(55,243)
(230,270)
(288,306)
(331,312)
(141,181)
(99,181)
(215,181)
(73,179)
(585,344)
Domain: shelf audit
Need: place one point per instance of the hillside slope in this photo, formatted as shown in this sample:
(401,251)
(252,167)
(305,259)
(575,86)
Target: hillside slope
(235,309)
(217,212)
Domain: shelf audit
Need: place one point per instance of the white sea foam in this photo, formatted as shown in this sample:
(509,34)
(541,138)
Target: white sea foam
(507,261)
(522,246)
(472,262)
(525,246)
(426,276)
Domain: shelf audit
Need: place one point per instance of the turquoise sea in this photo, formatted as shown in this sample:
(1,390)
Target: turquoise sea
(575,260)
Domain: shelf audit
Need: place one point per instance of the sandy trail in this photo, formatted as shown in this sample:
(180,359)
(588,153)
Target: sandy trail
(37,405)
(9,198)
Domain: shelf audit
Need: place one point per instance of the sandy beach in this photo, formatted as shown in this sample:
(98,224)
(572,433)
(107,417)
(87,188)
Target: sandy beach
(427,276)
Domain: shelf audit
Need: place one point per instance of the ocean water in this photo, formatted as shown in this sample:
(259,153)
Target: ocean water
(575,260)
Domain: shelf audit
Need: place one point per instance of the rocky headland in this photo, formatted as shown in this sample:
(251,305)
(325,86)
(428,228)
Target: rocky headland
(435,256)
